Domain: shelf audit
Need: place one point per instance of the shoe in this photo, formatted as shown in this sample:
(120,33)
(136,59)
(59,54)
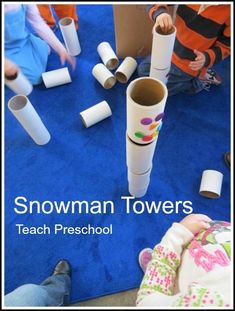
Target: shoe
(62,267)
(144,258)
(227,158)
(212,77)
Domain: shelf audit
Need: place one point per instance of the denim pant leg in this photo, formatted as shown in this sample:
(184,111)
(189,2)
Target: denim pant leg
(54,291)
(179,81)
(144,67)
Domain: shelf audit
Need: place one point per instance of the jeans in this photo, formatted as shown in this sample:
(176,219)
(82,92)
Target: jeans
(54,291)
(178,81)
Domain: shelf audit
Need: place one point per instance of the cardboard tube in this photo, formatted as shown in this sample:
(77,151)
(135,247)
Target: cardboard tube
(161,75)
(95,113)
(70,36)
(139,157)
(19,84)
(162,49)
(126,69)
(109,58)
(211,184)
(146,99)
(56,77)
(136,192)
(104,76)
(25,113)
(139,181)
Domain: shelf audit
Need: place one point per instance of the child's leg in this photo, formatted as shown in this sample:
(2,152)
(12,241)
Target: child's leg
(66,10)
(144,67)
(46,14)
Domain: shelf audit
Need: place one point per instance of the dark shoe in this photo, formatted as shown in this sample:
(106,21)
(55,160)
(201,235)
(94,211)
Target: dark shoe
(212,78)
(227,158)
(62,267)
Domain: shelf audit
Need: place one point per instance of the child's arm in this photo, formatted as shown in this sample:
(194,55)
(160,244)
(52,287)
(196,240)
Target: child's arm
(161,271)
(44,31)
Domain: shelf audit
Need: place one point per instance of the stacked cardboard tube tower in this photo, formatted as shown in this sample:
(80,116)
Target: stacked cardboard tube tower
(146,99)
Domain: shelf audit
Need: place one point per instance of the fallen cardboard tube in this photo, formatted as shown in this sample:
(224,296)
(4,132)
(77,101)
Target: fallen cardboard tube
(161,75)
(126,69)
(139,157)
(25,113)
(56,77)
(162,49)
(146,99)
(70,36)
(139,181)
(19,84)
(211,184)
(136,192)
(95,113)
(103,76)
(106,53)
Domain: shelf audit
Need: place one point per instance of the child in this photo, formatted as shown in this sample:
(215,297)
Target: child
(25,50)
(202,40)
(62,10)
(190,267)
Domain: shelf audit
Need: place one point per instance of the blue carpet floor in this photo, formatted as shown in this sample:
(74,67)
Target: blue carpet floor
(90,164)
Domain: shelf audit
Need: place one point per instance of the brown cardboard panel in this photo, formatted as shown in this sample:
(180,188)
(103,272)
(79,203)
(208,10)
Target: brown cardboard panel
(133,30)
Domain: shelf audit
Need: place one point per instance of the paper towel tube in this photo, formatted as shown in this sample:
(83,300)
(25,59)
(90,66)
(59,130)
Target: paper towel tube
(139,157)
(109,58)
(136,192)
(95,113)
(211,184)
(70,36)
(56,77)
(162,48)
(19,84)
(25,113)
(139,181)
(161,75)
(104,76)
(146,99)
(126,69)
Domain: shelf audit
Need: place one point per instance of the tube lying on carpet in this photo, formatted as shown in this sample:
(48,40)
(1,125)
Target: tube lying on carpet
(56,77)
(19,84)
(70,36)
(146,99)
(95,113)
(103,76)
(162,49)
(126,69)
(25,113)
(139,157)
(211,184)
(109,58)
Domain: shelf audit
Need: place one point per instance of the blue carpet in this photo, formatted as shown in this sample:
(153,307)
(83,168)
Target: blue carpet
(90,164)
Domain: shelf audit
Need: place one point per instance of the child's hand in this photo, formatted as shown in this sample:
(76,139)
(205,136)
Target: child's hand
(65,56)
(165,22)
(199,61)
(196,222)
(10,69)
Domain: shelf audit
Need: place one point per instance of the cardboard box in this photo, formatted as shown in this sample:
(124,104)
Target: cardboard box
(133,30)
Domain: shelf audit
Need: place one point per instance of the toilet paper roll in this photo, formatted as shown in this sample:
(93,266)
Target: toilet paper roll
(95,113)
(146,99)
(103,76)
(139,157)
(25,113)
(109,58)
(19,84)
(162,49)
(56,77)
(211,184)
(161,75)
(139,181)
(136,192)
(70,36)
(126,69)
